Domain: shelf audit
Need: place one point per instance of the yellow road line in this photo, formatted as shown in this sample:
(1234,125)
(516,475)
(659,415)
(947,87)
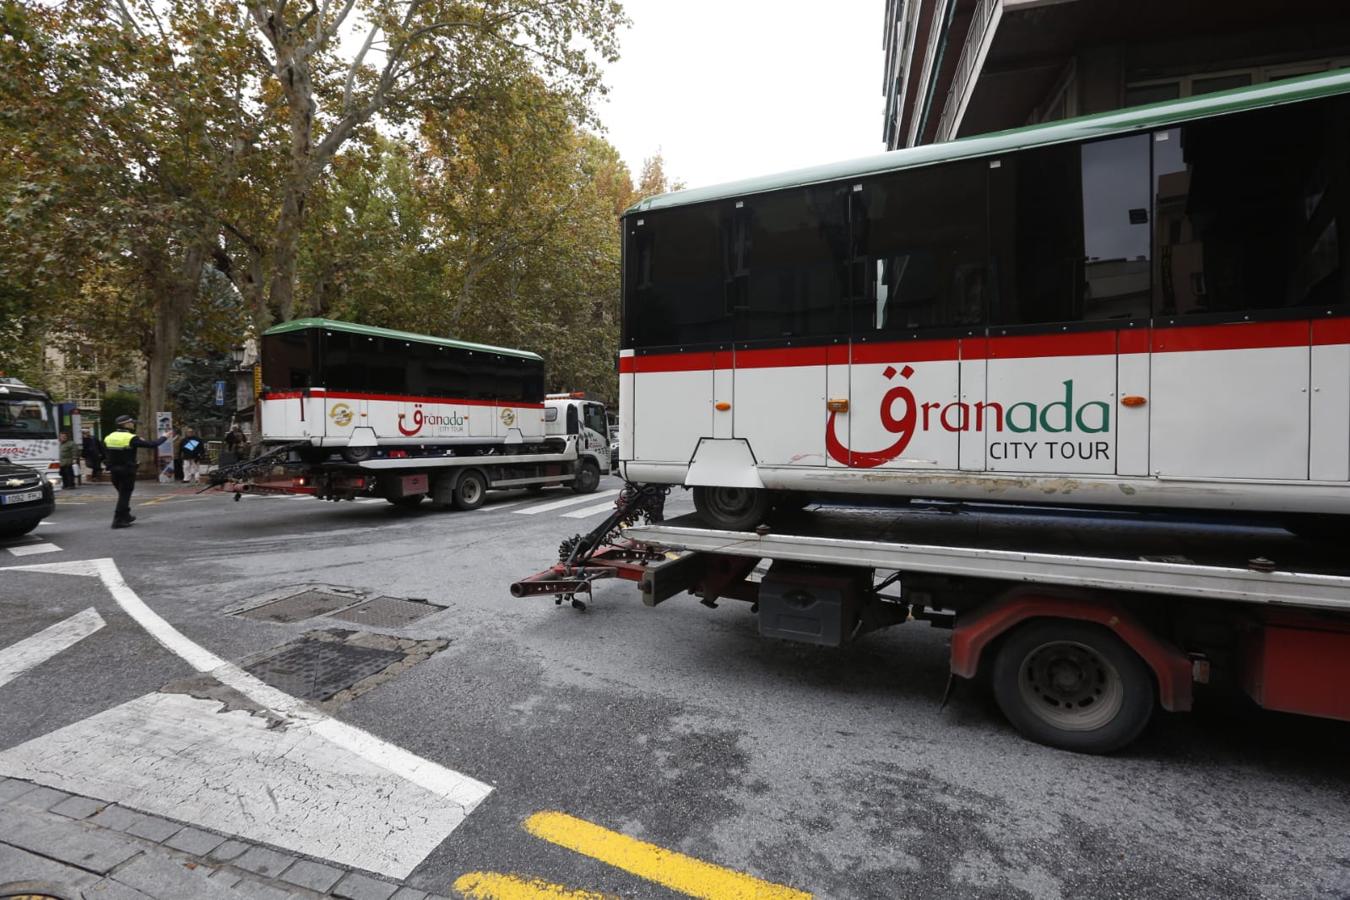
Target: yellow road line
(494,886)
(666,867)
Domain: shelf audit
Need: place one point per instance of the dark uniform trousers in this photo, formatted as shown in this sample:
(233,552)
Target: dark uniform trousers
(124,479)
(120,449)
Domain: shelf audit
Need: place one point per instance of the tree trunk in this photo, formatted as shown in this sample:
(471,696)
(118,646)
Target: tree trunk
(171,309)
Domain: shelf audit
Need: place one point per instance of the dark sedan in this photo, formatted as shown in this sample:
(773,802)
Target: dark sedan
(25,499)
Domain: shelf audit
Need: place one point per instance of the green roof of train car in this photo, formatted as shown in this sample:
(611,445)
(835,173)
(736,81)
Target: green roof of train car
(372,331)
(1119,121)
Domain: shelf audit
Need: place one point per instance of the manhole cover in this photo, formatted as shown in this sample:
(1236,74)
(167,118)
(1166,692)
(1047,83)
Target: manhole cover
(316,670)
(298,607)
(388,612)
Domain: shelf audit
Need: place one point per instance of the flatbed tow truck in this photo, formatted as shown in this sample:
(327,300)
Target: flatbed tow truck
(1081,622)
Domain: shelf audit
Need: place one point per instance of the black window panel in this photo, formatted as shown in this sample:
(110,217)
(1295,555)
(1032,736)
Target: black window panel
(443,372)
(920,244)
(345,358)
(1249,211)
(288,360)
(790,251)
(1069,233)
(676,295)
(385,366)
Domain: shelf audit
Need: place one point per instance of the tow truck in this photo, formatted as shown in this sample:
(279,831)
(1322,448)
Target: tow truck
(1082,623)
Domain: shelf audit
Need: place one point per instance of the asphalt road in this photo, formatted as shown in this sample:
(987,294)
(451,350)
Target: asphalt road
(832,772)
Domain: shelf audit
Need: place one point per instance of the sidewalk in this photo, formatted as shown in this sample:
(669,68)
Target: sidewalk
(76,848)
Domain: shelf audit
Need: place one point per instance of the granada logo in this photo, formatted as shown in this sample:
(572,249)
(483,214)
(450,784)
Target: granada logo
(341,414)
(904,416)
(454,421)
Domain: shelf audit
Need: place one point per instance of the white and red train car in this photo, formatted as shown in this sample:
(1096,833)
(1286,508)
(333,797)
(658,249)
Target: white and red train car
(355,389)
(1148,307)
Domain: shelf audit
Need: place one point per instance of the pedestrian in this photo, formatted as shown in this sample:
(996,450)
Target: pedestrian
(178,439)
(93,455)
(194,451)
(121,446)
(235,443)
(70,455)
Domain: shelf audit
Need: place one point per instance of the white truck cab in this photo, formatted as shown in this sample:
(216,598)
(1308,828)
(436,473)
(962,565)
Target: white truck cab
(572,415)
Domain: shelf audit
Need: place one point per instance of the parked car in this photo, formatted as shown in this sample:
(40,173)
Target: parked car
(26,498)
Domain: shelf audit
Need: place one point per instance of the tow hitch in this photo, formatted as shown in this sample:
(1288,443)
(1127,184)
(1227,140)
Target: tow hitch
(601,553)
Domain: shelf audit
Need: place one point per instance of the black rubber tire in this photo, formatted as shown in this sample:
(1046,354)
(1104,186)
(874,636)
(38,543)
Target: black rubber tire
(588,478)
(18,529)
(1035,713)
(412,501)
(470,490)
(357,454)
(732,509)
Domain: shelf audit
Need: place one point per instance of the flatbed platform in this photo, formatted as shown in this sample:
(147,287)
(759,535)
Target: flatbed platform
(1225,561)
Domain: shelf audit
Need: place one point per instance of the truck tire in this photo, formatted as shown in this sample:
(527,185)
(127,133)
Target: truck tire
(588,477)
(357,454)
(470,490)
(732,509)
(1073,685)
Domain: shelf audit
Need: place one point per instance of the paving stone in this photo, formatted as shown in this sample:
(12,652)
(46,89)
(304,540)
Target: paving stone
(41,798)
(78,807)
(228,851)
(362,887)
(108,889)
(195,841)
(166,877)
(255,890)
(228,876)
(313,875)
(153,828)
(14,787)
(118,818)
(19,865)
(407,893)
(69,842)
(264,861)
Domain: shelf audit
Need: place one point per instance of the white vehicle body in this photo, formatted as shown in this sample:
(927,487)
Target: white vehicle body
(1182,342)
(29,427)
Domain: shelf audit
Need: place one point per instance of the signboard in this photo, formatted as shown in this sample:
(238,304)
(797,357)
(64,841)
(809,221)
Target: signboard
(220,393)
(163,425)
(257,381)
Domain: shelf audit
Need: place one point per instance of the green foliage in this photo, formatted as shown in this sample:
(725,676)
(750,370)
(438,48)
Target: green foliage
(117,403)
(192,387)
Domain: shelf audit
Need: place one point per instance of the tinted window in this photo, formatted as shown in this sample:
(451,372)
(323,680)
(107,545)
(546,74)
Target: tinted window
(674,265)
(792,249)
(1248,210)
(344,362)
(287,360)
(1069,233)
(920,240)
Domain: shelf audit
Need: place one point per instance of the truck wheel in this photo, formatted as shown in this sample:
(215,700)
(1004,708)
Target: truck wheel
(1073,685)
(732,509)
(357,454)
(470,490)
(409,502)
(588,477)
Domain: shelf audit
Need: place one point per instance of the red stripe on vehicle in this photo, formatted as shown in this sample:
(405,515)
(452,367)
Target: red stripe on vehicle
(1133,340)
(627,365)
(398,398)
(1235,336)
(1330,331)
(906,351)
(1030,346)
(782,356)
(683,362)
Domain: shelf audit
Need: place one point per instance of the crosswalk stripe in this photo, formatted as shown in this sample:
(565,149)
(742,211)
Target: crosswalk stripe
(608,506)
(560,504)
(29,652)
(33,549)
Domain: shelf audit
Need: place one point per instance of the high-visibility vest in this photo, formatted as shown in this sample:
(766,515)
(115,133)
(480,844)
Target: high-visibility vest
(120,450)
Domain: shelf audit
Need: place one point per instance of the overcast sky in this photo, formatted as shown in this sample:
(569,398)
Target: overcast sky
(732,88)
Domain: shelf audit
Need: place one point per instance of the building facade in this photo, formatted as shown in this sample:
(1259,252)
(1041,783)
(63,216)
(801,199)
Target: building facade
(960,67)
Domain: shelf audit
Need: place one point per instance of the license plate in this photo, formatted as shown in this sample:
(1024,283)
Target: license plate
(25,497)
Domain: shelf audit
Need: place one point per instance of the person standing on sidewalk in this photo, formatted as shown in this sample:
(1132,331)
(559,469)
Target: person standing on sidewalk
(121,447)
(194,451)
(70,455)
(93,455)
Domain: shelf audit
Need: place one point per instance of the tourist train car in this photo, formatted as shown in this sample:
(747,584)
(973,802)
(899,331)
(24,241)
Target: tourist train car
(1147,307)
(355,388)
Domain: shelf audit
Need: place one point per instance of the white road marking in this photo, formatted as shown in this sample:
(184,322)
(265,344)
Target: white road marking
(33,549)
(590,511)
(29,652)
(192,759)
(570,501)
(460,792)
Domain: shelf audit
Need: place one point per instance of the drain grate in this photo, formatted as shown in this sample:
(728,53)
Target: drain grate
(388,612)
(298,607)
(318,669)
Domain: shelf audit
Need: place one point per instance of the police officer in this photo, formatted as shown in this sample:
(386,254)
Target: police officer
(120,450)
